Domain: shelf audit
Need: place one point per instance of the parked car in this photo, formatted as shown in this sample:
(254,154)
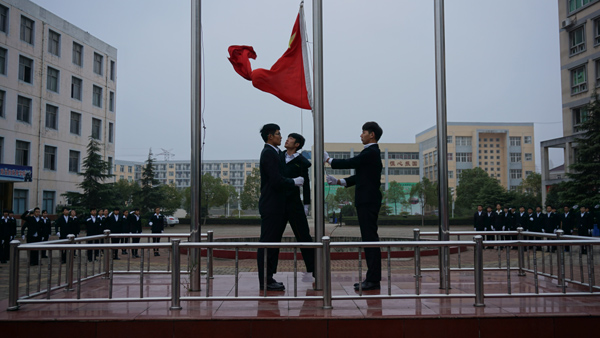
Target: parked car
(172,220)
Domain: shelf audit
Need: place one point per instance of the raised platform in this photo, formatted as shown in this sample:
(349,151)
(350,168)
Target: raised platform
(506,317)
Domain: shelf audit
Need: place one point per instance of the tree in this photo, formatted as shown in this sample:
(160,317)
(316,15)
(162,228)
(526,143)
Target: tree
(584,173)
(123,193)
(490,194)
(471,182)
(232,195)
(345,196)
(395,194)
(424,191)
(251,193)
(170,198)
(95,171)
(149,196)
(330,203)
(214,193)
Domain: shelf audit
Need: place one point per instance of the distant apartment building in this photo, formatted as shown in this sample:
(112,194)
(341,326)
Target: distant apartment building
(579,34)
(58,87)
(506,151)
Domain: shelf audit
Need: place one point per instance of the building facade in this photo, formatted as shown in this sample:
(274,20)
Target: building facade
(506,151)
(58,88)
(579,34)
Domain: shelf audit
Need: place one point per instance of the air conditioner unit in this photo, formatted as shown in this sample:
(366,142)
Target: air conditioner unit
(567,23)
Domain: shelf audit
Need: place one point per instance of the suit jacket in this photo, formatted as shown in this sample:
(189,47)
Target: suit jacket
(522,221)
(46,228)
(488,221)
(61,225)
(9,228)
(126,227)
(508,221)
(33,226)
(568,222)
(368,175)
(479,220)
(93,226)
(538,223)
(158,223)
(273,184)
(498,220)
(115,224)
(551,222)
(583,223)
(295,168)
(135,224)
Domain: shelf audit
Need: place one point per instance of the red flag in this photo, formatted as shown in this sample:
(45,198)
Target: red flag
(288,79)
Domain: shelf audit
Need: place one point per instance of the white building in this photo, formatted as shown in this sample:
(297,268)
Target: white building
(57,88)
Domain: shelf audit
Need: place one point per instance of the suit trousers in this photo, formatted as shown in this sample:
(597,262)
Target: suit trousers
(294,213)
(271,231)
(367,220)
(135,251)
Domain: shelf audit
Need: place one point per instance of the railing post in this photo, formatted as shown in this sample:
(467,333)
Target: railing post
(209,255)
(175,280)
(417,237)
(107,254)
(560,250)
(70,263)
(327,276)
(13,281)
(478,271)
(521,252)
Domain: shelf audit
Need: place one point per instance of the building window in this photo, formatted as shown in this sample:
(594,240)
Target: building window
(111,101)
(75,123)
(112,70)
(597,63)
(20,201)
(97,97)
(73,161)
(53,43)
(579,80)
(2,97)
(515,173)
(49,157)
(449,156)
(498,163)
(52,79)
(515,141)
(515,157)
(48,198)
(23,109)
(463,140)
(450,174)
(580,115)
(527,139)
(22,153)
(110,132)
(448,139)
(110,165)
(464,157)
(122,168)
(3,19)
(577,40)
(528,172)
(51,117)
(528,157)
(25,69)
(76,88)
(96,129)
(27,28)
(98,63)
(404,171)
(3,53)
(577,4)
(77,54)
(129,169)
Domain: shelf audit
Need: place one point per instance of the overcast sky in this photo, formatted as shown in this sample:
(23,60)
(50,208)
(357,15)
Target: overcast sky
(502,60)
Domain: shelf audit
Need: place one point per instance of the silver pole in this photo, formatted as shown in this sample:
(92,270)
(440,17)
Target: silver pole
(209,255)
(70,263)
(318,131)
(175,275)
(521,256)
(327,279)
(478,271)
(13,281)
(442,147)
(196,125)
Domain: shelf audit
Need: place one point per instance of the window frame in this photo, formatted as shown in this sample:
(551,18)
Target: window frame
(72,152)
(23,69)
(50,163)
(516,139)
(75,80)
(96,96)
(4,62)
(24,30)
(4,19)
(78,124)
(20,116)
(25,156)
(55,80)
(54,44)
(98,64)
(96,129)
(53,126)
(77,54)
(111,130)
(580,87)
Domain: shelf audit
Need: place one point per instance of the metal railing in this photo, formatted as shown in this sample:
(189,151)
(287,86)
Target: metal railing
(481,263)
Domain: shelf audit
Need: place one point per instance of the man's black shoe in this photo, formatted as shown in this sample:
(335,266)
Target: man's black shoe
(274,287)
(117,258)
(274,281)
(368,286)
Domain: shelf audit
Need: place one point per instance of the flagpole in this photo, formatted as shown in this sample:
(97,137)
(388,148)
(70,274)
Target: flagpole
(196,128)
(442,143)
(318,143)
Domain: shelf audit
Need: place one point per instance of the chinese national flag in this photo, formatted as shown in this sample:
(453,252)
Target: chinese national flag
(288,78)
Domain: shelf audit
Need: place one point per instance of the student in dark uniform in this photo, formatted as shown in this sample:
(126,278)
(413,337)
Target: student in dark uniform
(367,179)
(93,227)
(567,223)
(32,222)
(135,225)
(498,220)
(479,219)
(507,222)
(46,230)
(157,223)
(125,229)
(584,225)
(296,165)
(551,224)
(538,223)
(271,203)
(530,223)
(115,225)
(489,224)
(62,229)
(8,224)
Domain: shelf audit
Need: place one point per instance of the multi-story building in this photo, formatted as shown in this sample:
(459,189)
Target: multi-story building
(57,89)
(579,34)
(505,151)
(400,164)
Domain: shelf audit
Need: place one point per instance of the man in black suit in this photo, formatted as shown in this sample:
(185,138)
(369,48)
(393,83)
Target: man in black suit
(157,224)
(33,224)
(271,203)
(367,179)
(93,227)
(8,224)
(489,224)
(115,225)
(46,230)
(479,219)
(584,225)
(551,224)
(62,229)
(296,165)
(567,222)
(135,224)
(498,221)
